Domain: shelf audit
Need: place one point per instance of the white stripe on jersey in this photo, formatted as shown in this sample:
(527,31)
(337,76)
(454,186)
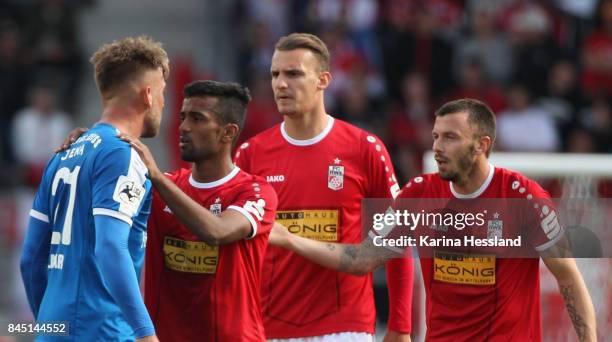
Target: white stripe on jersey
(248,216)
(39,216)
(337,337)
(113,213)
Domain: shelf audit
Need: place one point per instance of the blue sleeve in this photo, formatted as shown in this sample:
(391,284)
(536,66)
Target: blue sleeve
(119,183)
(117,269)
(37,242)
(34,259)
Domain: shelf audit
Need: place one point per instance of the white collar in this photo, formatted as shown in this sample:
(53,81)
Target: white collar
(311,141)
(480,190)
(216,183)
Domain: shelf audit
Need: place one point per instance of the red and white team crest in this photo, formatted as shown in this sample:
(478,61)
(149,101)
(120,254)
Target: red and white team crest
(216,207)
(335,177)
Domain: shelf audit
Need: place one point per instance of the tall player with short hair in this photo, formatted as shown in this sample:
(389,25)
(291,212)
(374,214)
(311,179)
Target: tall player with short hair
(321,169)
(84,247)
(499,305)
(209,226)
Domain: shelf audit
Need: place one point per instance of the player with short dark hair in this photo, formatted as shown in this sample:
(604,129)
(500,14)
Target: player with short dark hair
(84,247)
(321,168)
(501,302)
(209,226)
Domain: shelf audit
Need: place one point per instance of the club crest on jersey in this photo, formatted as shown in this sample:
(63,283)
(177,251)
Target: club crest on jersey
(215,208)
(495,227)
(335,177)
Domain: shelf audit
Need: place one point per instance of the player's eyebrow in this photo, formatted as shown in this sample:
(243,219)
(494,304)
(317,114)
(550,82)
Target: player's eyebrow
(294,71)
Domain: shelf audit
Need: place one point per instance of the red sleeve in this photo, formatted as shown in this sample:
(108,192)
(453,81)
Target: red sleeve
(383,184)
(379,169)
(242,158)
(543,229)
(399,282)
(257,202)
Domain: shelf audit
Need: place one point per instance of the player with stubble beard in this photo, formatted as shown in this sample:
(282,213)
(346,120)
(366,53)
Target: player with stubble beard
(502,304)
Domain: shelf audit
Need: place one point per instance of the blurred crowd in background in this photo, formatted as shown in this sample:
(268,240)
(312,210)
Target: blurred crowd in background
(545,68)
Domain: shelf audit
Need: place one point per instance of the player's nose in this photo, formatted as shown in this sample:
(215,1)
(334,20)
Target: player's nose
(436,146)
(279,83)
(184,126)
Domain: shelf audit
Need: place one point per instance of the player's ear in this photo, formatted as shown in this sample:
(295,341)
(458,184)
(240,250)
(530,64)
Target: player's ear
(230,132)
(483,145)
(324,79)
(146,95)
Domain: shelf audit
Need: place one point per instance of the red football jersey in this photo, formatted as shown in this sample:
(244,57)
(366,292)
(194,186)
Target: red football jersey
(500,301)
(320,184)
(198,292)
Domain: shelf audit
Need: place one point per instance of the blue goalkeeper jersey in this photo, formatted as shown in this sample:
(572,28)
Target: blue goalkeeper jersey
(98,175)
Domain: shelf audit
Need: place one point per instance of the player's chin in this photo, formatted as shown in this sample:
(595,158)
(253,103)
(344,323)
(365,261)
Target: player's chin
(447,175)
(285,110)
(186,156)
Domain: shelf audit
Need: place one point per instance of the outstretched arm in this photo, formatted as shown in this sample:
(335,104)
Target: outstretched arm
(229,226)
(356,259)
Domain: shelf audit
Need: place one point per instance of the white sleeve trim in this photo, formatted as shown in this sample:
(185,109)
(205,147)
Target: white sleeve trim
(249,217)
(550,243)
(39,216)
(113,213)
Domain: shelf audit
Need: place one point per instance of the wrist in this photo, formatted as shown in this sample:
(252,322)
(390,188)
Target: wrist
(287,242)
(155,175)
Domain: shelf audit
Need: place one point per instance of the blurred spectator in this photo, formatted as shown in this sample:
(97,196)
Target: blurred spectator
(361,16)
(410,126)
(598,120)
(261,112)
(52,38)
(344,58)
(272,12)
(597,54)
(355,105)
(37,129)
(448,15)
(13,83)
(413,44)
(473,83)
(580,140)
(530,27)
(486,43)
(582,8)
(255,57)
(301,16)
(524,126)
(563,97)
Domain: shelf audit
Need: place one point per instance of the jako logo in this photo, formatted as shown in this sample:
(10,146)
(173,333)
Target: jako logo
(275,179)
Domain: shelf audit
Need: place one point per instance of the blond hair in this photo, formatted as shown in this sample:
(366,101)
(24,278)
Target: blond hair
(115,63)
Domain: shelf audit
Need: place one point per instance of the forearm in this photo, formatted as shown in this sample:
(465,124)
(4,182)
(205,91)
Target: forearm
(347,258)
(117,270)
(34,277)
(579,307)
(575,295)
(197,219)
(400,275)
(33,263)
